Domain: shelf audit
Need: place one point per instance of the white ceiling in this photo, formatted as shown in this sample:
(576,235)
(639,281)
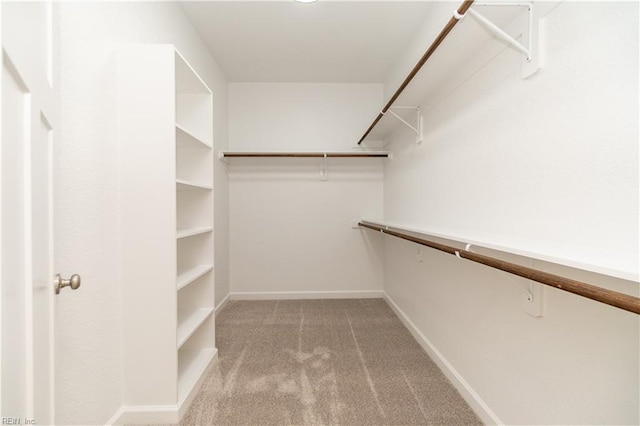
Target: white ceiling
(327,41)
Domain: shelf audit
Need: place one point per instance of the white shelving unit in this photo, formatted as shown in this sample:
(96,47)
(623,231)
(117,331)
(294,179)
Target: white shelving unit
(195,340)
(166,140)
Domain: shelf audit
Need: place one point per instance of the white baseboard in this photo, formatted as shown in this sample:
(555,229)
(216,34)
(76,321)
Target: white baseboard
(222,304)
(115,419)
(145,414)
(470,396)
(282,295)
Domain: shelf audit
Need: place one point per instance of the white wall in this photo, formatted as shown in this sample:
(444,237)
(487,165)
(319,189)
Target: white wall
(300,116)
(547,165)
(290,232)
(89,352)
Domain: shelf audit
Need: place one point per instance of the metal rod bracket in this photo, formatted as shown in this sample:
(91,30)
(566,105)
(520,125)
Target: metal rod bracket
(417,128)
(528,45)
(323,168)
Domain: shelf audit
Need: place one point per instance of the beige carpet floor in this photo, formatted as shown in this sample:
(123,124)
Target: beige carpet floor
(322,362)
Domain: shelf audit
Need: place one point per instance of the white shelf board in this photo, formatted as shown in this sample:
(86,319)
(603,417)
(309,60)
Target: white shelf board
(187,140)
(191,365)
(626,269)
(189,322)
(183,233)
(187,275)
(185,185)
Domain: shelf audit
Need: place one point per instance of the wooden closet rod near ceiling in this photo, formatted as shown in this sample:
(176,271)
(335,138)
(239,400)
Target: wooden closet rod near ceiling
(306,154)
(603,295)
(443,34)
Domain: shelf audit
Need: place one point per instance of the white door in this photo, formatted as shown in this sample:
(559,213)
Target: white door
(29,121)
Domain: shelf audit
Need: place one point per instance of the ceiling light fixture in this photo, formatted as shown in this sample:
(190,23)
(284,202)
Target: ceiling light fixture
(306,1)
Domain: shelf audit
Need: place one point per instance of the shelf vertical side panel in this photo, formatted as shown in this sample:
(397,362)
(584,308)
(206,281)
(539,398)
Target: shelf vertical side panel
(146,107)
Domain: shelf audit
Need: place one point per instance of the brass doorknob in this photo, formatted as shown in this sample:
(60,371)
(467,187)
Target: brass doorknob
(73,282)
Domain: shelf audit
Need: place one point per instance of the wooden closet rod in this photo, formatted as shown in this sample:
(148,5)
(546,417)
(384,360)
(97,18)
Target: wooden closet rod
(306,154)
(603,295)
(443,34)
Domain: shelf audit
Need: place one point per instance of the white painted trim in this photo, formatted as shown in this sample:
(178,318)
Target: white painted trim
(159,414)
(470,396)
(222,304)
(288,295)
(114,420)
(144,414)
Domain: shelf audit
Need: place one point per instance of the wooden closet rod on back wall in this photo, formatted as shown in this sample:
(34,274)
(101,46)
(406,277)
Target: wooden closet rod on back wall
(443,34)
(362,154)
(599,294)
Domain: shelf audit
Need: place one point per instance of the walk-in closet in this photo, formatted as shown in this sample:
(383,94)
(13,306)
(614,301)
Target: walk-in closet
(310,212)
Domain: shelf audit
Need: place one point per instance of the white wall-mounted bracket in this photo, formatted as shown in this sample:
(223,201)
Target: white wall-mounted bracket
(533,299)
(529,45)
(417,128)
(323,168)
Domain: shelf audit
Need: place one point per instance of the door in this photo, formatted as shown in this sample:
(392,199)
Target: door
(27,304)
